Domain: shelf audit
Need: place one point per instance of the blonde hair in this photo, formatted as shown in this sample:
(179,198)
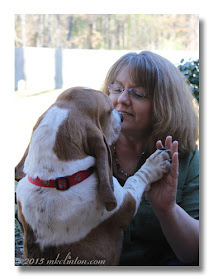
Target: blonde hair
(175,110)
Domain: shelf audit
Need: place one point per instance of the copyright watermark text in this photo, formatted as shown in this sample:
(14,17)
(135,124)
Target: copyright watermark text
(68,260)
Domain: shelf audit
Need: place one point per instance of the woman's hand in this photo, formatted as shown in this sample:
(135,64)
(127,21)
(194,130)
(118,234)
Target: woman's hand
(180,229)
(162,195)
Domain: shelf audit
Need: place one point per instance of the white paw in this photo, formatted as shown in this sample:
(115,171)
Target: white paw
(155,167)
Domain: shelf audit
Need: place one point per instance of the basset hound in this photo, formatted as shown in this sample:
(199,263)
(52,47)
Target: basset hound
(70,205)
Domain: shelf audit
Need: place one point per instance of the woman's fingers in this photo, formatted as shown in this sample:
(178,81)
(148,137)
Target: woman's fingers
(159,144)
(168,143)
(174,168)
(174,148)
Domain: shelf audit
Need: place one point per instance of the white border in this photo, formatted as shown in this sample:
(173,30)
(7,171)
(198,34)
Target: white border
(7,138)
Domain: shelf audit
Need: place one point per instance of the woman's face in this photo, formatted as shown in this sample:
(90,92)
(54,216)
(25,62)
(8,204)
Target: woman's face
(136,110)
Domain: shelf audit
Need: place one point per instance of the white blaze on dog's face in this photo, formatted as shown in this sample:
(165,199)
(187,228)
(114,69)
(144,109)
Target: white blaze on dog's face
(113,128)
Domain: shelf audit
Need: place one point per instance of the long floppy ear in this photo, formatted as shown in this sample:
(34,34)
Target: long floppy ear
(97,143)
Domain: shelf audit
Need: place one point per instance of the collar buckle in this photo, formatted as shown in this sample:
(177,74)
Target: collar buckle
(62,183)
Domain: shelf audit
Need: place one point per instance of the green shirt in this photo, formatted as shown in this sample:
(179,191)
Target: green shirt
(144,242)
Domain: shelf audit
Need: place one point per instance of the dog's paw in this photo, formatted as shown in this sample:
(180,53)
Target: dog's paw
(155,166)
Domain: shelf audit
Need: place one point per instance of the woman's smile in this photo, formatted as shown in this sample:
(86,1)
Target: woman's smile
(125,114)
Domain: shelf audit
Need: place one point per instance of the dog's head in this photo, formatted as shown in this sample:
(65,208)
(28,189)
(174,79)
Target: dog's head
(91,125)
(95,112)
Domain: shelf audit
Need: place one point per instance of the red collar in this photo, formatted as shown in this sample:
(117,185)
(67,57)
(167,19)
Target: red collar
(63,183)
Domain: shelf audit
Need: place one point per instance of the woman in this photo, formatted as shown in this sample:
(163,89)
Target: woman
(151,94)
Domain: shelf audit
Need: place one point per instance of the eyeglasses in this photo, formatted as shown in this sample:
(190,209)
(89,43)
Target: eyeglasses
(116,89)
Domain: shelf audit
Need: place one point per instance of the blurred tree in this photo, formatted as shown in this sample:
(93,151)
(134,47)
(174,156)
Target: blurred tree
(107,31)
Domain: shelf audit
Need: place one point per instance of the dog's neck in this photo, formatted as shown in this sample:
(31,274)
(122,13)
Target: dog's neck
(52,169)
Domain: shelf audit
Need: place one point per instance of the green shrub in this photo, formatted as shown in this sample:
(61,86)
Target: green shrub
(190,70)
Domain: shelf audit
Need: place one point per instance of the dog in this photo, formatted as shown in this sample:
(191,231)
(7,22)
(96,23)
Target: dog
(70,205)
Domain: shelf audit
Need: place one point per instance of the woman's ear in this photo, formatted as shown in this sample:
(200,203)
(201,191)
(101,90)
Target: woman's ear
(101,151)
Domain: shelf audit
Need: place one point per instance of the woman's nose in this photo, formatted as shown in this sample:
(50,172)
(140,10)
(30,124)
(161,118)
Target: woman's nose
(124,97)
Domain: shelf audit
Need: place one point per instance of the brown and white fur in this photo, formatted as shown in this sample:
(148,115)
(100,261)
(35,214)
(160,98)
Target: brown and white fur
(86,221)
